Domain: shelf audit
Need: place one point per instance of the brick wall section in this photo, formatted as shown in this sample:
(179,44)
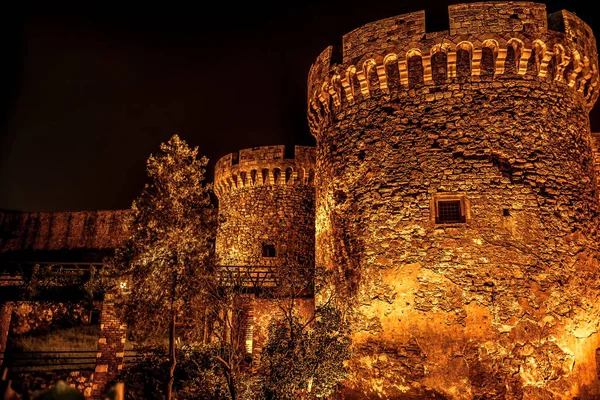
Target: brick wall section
(111,348)
(5,317)
(61,230)
(505,305)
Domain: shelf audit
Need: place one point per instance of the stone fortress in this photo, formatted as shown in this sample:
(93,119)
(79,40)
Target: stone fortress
(453,195)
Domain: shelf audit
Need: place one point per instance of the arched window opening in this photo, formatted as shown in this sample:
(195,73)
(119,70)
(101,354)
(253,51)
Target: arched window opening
(276,175)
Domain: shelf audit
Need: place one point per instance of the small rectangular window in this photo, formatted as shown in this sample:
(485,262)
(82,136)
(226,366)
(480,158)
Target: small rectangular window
(268,250)
(449,212)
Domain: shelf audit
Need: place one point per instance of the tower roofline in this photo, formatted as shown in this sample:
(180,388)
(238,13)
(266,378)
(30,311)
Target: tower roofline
(498,39)
(264,166)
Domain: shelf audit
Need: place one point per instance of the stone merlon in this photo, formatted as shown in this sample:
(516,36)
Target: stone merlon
(267,165)
(520,37)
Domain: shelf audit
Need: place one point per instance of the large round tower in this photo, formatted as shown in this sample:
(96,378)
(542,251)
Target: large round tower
(457,202)
(266,221)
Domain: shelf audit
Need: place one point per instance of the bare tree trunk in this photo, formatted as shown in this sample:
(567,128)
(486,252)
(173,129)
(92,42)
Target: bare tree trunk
(205,332)
(231,385)
(228,376)
(172,359)
(229,339)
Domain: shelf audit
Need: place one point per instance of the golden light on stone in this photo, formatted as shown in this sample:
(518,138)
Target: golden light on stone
(453,196)
(266,218)
(457,202)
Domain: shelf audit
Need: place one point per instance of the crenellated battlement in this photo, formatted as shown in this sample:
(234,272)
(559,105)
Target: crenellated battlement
(486,41)
(264,166)
(596,153)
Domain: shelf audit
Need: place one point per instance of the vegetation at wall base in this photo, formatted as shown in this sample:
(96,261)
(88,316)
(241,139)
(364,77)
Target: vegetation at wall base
(305,359)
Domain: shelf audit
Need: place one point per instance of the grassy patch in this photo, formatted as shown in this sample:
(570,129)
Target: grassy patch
(77,338)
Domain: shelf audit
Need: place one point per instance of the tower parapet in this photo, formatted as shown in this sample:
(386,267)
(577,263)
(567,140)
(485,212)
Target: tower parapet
(263,166)
(486,41)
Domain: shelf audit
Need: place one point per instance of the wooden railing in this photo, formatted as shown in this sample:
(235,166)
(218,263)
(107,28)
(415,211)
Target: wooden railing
(248,276)
(11,272)
(29,361)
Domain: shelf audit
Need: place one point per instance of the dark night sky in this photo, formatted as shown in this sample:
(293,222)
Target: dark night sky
(87,92)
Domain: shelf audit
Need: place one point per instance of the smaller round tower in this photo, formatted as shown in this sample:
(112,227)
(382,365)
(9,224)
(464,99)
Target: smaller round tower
(266,220)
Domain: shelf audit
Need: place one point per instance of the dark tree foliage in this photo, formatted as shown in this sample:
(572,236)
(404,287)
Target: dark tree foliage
(199,374)
(224,314)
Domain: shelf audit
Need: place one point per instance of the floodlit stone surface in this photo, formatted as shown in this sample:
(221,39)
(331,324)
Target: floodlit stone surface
(492,114)
(266,199)
(48,231)
(497,299)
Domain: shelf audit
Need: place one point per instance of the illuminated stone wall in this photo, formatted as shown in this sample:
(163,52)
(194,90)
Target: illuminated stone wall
(265,309)
(47,231)
(492,114)
(266,198)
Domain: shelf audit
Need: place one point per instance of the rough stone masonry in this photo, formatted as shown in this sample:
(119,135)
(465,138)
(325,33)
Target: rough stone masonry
(266,219)
(453,196)
(457,203)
